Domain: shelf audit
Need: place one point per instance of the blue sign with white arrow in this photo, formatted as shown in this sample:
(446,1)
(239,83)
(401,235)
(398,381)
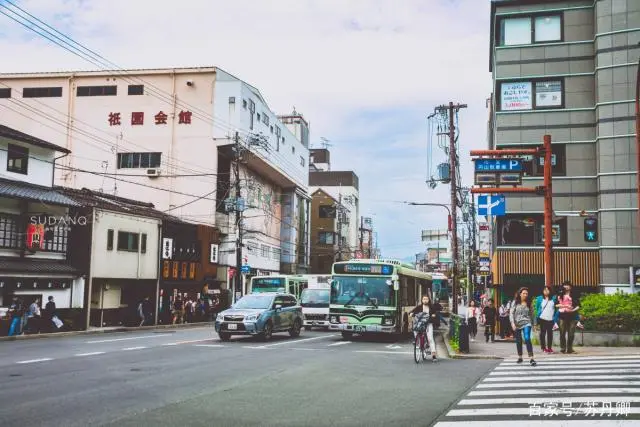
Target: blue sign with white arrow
(498,165)
(245,269)
(491,205)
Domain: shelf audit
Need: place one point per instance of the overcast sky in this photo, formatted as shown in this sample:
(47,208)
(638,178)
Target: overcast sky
(365,74)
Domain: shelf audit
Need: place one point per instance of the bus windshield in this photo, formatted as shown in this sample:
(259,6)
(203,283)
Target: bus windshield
(267,284)
(358,290)
(316,298)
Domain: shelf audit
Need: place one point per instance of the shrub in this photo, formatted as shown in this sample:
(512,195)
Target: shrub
(616,312)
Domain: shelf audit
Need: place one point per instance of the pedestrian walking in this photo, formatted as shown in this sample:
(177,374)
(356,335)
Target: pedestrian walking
(16,312)
(568,306)
(49,312)
(34,317)
(472,319)
(178,310)
(521,316)
(545,309)
(489,320)
(503,311)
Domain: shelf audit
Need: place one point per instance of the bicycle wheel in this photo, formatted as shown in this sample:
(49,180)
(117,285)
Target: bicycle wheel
(425,349)
(417,350)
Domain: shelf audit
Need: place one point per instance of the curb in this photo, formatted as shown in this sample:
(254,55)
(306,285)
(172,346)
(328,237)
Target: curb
(106,331)
(454,355)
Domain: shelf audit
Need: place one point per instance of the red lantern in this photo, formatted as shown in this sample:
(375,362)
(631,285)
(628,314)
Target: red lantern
(35,236)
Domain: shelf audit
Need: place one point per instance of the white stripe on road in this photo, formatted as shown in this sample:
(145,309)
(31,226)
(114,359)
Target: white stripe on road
(383,352)
(533,423)
(533,372)
(339,343)
(209,345)
(571,377)
(510,411)
(562,358)
(556,362)
(95,353)
(557,392)
(133,348)
(128,338)
(187,342)
(532,400)
(560,384)
(302,349)
(297,341)
(34,360)
(253,347)
(543,366)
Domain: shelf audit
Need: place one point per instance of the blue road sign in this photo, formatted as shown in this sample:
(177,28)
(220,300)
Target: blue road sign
(491,205)
(498,165)
(245,269)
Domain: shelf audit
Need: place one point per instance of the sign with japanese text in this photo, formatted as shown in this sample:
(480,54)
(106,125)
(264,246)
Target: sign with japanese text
(213,254)
(167,248)
(137,118)
(516,96)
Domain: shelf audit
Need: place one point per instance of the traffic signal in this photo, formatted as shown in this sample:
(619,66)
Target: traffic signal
(590,230)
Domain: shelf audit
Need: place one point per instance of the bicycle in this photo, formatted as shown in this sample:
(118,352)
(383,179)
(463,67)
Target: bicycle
(420,352)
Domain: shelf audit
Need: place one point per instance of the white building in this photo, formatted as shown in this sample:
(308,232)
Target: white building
(34,226)
(159,135)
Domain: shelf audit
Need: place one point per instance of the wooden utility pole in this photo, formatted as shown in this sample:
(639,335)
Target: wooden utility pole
(451,109)
(236,172)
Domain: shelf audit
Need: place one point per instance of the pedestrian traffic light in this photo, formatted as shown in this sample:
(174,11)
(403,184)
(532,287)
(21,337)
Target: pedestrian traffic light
(590,230)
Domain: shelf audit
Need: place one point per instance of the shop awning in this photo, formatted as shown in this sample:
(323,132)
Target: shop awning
(581,267)
(32,266)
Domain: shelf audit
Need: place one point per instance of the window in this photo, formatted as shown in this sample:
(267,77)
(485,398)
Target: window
(326,238)
(136,89)
(109,240)
(283,141)
(9,236)
(531,95)
(265,118)
(128,241)
(244,104)
(252,109)
(139,160)
(55,239)
(327,211)
(276,253)
(528,230)
(293,150)
(530,29)
(97,91)
(265,251)
(258,117)
(534,166)
(42,92)
(143,243)
(271,128)
(5,92)
(17,159)
(301,161)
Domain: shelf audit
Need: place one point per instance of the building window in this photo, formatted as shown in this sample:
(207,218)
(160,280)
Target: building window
(276,254)
(271,128)
(17,159)
(258,117)
(42,92)
(293,150)
(283,141)
(527,230)
(55,239)
(109,240)
(128,241)
(326,238)
(252,109)
(265,251)
(136,89)
(244,104)
(530,29)
(5,92)
(9,236)
(139,160)
(534,166)
(531,95)
(265,118)
(143,243)
(301,161)
(97,91)
(327,211)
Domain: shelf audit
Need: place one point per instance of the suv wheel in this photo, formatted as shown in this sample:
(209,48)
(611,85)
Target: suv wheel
(224,336)
(268,331)
(295,330)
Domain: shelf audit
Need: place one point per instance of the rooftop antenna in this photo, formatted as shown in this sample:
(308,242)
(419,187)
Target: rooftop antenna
(325,143)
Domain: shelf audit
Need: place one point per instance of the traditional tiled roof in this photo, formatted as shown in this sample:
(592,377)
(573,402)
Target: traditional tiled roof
(24,190)
(36,266)
(16,135)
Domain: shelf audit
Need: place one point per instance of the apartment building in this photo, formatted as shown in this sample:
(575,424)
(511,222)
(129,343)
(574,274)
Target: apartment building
(568,69)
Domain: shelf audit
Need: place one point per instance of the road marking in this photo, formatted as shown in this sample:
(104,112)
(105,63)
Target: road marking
(209,345)
(533,372)
(383,352)
(531,400)
(187,342)
(297,341)
(34,360)
(561,362)
(393,347)
(529,423)
(339,343)
(562,358)
(542,366)
(570,377)
(255,347)
(89,354)
(133,348)
(303,349)
(128,338)
(546,391)
(558,384)
(505,411)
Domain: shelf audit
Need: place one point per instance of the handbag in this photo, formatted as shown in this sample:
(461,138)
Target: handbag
(56,321)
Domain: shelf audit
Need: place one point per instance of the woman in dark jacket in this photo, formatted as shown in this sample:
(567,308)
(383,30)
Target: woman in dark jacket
(427,308)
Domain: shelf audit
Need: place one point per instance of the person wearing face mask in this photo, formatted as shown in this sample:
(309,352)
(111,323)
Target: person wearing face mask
(431,314)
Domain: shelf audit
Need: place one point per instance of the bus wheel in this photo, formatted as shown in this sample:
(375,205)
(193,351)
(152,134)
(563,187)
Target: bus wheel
(347,335)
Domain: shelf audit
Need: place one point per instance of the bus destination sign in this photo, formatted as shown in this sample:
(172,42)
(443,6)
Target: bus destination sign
(381,269)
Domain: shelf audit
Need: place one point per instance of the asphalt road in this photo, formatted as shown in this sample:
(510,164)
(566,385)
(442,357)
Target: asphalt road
(188,377)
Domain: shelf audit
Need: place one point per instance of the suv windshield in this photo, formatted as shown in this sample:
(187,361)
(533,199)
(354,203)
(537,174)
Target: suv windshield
(255,302)
(315,298)
(355,290)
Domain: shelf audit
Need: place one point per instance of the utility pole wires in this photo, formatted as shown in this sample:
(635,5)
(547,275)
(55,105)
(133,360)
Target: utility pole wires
(237,284)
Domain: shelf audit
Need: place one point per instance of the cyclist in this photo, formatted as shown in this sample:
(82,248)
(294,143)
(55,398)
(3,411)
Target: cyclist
(427,308)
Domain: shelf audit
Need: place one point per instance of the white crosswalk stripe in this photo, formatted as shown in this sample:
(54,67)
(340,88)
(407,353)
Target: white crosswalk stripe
(562,391)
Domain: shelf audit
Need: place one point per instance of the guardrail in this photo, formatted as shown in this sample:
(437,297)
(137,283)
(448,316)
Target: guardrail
(458,333)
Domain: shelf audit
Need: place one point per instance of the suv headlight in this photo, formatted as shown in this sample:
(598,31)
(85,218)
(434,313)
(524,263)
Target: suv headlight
(220,317)
(252,317)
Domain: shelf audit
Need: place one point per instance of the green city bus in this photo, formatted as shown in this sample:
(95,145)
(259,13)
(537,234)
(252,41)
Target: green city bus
(279,283)
(374,296)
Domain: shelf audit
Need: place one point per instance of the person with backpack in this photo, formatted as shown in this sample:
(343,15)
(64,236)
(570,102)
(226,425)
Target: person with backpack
(521,316)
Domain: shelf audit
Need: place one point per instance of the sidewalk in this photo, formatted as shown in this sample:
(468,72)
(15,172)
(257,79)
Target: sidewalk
(106,330)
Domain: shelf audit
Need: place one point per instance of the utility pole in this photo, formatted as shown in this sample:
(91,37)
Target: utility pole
(362,236)
(237,284)
(339,217)
(451,109)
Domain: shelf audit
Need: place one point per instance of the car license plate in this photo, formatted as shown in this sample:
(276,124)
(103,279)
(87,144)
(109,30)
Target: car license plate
(232,326)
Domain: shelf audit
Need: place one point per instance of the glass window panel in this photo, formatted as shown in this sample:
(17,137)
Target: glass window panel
(548,28)
(516,31)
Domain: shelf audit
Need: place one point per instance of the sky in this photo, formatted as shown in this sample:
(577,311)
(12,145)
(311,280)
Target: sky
(365,74)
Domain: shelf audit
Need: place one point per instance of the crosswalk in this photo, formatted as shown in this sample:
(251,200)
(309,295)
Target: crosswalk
(563,391)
